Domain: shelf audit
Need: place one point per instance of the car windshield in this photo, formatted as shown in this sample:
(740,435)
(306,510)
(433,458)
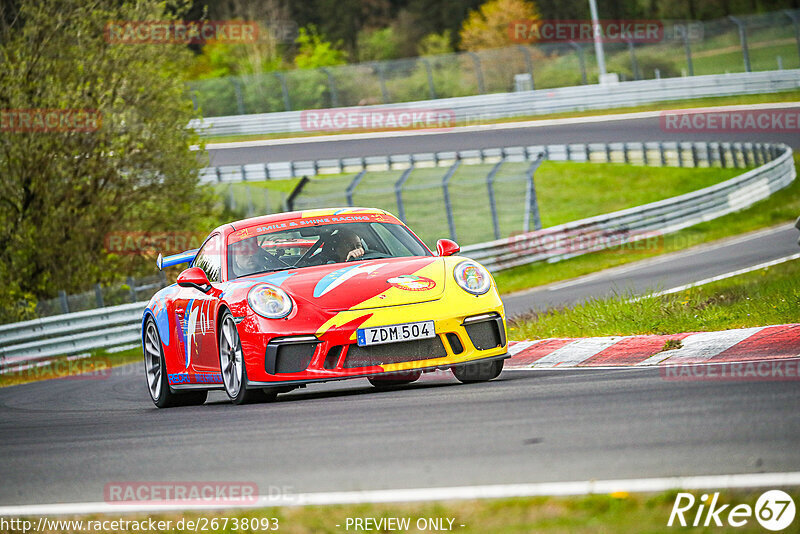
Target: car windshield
(276,247)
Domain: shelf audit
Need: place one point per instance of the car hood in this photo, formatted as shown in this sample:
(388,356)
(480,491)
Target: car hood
(365,284)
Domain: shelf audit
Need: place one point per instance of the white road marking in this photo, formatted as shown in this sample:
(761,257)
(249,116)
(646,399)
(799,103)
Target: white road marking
(499,491)
(574,353)
(702,346)
(480,127)
(724,276)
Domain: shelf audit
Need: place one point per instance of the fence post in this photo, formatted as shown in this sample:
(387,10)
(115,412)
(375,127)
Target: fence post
(581,60)
(662,154)
(532,204)
(723,161)
(62,297)
(492,203)
(398,192)
(287,102)
(352,187)
(237,87)
(688,50)
(528,63)
(680,153)
(448,206)
(478,72)
(132,288)
(746,147)
(634,64)
(792,15)
(295,192)
(382,80)
(331,87)
(429,73)
(743,41)
(694,155)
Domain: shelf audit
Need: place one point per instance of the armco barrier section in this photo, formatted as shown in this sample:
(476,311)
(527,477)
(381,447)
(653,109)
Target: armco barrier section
(481,108)
(40,339)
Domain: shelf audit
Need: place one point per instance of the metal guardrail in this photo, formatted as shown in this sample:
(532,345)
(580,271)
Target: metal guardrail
(40,339)
(481,108)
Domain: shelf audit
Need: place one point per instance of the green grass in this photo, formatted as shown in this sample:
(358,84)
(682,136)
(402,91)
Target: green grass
(567,191)
(616,513)
(781,207)
(94,367)
(763,297)
(784,96)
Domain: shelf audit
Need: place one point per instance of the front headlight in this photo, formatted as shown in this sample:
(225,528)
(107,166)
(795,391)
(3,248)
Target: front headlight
(472,277)
(269,301)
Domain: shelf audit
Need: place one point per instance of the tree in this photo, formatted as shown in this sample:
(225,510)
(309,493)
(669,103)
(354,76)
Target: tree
(487,27)
(313,51)
(63,190)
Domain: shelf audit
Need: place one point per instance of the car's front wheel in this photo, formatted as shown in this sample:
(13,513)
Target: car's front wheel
(155,369)
(478,371)
(231,364)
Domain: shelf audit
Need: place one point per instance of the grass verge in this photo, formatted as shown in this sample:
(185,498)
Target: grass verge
(763,297)
(783,96)
(781,207)
(96,366)
(619,513)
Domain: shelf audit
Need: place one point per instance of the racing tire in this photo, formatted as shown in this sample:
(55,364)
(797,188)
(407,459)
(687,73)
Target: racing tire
(155,369)
(233,368)
(478,372)
(394,379)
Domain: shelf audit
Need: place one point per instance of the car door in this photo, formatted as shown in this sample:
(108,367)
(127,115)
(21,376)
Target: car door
(197,314)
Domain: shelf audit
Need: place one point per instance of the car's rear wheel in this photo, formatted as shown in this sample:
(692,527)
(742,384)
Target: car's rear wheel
(478,371)
(155,369)
(233,368)
(395,379)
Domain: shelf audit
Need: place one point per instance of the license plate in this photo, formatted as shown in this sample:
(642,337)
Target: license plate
(378,335)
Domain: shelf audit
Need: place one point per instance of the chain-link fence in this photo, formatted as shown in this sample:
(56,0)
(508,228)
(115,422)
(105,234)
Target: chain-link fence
(735,44)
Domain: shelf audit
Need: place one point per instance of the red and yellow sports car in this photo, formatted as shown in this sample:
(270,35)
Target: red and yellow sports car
(275,302)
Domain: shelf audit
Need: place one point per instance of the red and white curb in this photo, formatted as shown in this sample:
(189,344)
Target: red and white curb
(739,345)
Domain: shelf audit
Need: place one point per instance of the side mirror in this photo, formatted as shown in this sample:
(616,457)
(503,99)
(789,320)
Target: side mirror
(446,247)
(194,277)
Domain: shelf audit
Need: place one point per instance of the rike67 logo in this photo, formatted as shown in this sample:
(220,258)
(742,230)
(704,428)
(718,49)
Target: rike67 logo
(774,510)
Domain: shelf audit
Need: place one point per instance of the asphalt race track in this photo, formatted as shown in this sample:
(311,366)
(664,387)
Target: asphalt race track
(646,129)
(64,440)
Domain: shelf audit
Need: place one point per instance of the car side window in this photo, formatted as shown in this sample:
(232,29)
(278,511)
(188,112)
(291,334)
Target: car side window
(209,259)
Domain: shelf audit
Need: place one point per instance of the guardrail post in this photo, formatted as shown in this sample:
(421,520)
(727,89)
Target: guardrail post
(287,102)
(625,153)
(581,60)
(568,152)
(746,147)
(587,153)
(492,203)
(645,161)
(62,297)
(694,155)
(266,171)
(429,74)
(331,87)
(243,172)
(743,41)
(478,72)
(352,187)
(237,87)
(662,154)
(398,192)
(528,63)
(679,149)
(792,15)
(446,195)
(219,174)
(608,153)
(295,192)
(532,204)
(723,161)
(708,155)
